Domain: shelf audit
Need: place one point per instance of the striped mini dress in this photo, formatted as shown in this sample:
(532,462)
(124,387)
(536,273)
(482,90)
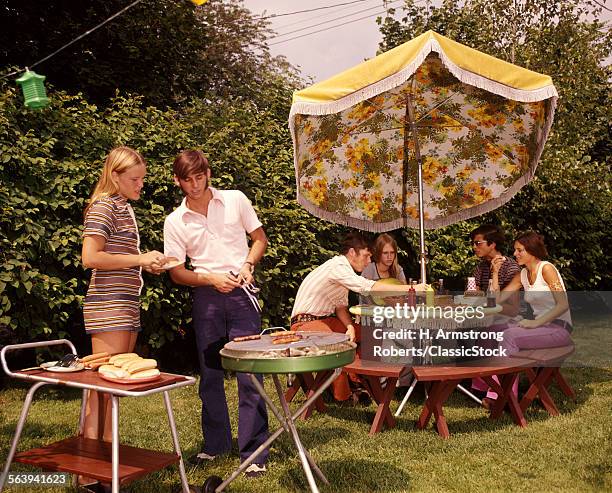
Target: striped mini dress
(112,302)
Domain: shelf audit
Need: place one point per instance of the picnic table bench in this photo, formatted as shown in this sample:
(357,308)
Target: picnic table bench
(444,380)
(540,366)
(371,373)
(545,369)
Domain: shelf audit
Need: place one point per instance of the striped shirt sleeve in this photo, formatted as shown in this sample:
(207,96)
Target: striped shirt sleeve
(344,275)
(478,276)
(508,270)
(100,219)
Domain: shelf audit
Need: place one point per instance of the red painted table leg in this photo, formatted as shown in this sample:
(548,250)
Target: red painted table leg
(438,394)
(382,397)
(309,385)
(538,389)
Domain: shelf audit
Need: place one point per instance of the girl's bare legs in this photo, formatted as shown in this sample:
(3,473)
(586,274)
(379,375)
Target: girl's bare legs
(97,408)
(97,414)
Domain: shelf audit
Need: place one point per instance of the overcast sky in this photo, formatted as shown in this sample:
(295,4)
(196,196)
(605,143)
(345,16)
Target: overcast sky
(331,51)
(326,53)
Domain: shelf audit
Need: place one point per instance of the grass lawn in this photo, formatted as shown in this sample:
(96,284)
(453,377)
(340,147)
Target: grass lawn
(572,452)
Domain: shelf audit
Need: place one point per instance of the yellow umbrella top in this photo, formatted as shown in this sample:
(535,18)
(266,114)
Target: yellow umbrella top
(395,66)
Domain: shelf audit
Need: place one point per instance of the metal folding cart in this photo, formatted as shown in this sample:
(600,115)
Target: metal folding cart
(107,462)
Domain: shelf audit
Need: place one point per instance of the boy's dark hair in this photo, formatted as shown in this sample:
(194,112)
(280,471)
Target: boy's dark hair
(188,163)
(353,240)
(492,234)
(533,243)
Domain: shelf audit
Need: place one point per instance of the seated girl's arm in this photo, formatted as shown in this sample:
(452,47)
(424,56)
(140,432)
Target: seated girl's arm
(510,290)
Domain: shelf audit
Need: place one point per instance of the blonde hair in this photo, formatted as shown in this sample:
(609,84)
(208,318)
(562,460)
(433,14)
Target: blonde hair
(381,241)
(119,160)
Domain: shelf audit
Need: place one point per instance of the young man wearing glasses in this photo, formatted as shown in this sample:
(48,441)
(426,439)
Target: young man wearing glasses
(488,242)
(211,227)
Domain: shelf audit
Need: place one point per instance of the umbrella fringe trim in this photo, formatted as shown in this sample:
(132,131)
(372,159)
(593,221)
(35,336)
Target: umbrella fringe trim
(439,222)
(388,83)
(490,85)
(352,222)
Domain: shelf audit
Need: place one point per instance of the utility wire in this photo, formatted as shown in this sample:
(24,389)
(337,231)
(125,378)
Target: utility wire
(333,27)
(328,28)
(308,19)
(78,37)
(330,20)
(602,5)
(310,10)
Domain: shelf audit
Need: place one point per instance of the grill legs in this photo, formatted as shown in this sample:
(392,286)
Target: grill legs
(287,421)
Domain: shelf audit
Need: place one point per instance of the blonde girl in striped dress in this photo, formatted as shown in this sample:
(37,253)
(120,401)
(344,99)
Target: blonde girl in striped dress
(111,248)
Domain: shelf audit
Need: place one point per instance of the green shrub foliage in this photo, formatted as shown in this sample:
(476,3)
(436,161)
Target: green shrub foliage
(51,159)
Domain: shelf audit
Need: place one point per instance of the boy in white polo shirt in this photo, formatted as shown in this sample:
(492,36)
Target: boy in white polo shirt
(210,227)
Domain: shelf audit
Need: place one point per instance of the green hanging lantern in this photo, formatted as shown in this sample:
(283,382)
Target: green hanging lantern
(33,88)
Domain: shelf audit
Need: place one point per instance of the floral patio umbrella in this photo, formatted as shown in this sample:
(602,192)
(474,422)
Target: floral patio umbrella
(427,134)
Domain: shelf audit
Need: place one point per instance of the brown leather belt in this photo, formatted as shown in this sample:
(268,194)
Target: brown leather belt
(307,317)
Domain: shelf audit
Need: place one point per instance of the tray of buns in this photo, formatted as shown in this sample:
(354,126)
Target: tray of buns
(126,368)
(131,381)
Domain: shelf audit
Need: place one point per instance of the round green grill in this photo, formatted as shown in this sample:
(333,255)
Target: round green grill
(316,351)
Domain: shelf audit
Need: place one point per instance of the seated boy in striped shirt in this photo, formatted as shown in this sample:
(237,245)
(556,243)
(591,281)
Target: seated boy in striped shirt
(488,242)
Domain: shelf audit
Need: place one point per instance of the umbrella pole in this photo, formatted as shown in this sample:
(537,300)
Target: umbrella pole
(417,153)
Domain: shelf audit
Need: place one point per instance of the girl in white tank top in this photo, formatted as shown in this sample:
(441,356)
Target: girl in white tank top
(552,324)
(539,294)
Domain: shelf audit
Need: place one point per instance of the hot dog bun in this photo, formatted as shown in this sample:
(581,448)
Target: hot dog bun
(119,359)
(141,365)
(125,363)
(116,357)
(151,372)
(113,372)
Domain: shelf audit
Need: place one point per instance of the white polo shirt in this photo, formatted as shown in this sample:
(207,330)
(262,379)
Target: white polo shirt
(216,243)
(327,287)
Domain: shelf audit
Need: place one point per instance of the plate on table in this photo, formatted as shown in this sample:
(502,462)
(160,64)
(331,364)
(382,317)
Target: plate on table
(130,381)
(50,366)
(172,263)
(470,300)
